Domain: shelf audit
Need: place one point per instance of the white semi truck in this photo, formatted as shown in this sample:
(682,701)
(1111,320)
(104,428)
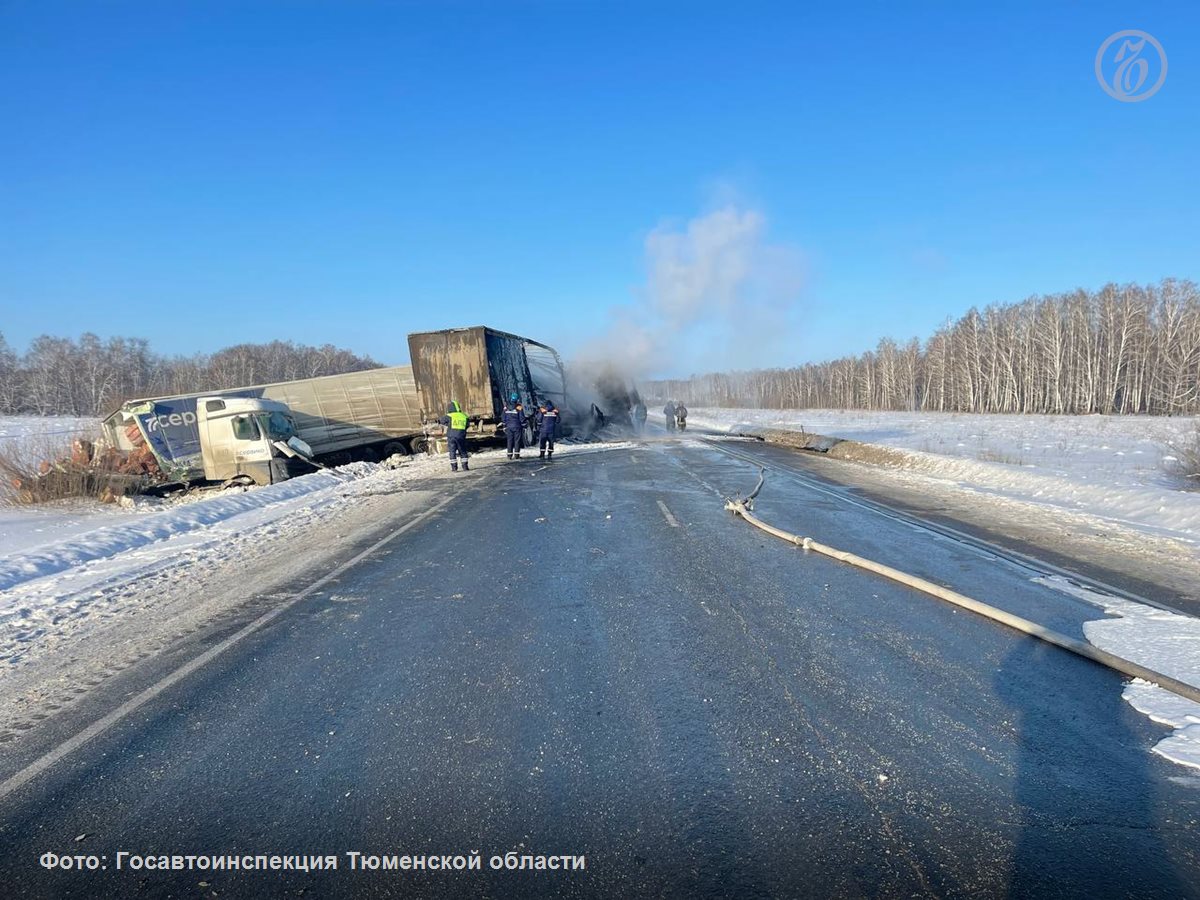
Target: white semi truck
(271,432)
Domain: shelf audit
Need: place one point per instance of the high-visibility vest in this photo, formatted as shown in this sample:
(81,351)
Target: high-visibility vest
(458,418)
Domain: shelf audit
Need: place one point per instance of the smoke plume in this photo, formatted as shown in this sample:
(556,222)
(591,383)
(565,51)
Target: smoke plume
(717,295)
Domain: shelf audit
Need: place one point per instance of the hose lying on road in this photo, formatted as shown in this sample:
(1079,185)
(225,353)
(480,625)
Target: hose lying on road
(743,506)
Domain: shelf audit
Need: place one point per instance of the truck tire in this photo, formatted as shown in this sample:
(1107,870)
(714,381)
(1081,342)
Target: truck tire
(419,444)
(392,448)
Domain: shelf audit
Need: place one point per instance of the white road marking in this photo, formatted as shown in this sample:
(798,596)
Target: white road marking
(671,520)
(100,726)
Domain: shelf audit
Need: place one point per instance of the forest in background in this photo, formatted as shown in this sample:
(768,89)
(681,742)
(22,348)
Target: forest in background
(1121,349)
(90,376)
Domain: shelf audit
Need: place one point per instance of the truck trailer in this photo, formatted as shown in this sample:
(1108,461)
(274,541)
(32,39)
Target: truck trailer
(270,432)
(481,368)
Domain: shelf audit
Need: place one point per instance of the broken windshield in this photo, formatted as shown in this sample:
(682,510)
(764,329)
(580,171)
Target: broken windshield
(279,427)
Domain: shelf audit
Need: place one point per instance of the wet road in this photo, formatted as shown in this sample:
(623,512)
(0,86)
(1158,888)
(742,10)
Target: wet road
(595,659)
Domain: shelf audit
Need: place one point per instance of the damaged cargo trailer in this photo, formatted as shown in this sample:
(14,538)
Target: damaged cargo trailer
(330,419)
(481,368)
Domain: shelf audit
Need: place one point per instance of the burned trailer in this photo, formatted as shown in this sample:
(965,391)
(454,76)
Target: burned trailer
(480,368)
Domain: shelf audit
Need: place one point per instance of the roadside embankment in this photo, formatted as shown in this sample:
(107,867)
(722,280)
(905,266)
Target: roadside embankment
(854,451)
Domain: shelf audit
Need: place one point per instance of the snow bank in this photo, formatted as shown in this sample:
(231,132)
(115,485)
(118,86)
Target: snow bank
(62,585)
(109,541)
(1164,641)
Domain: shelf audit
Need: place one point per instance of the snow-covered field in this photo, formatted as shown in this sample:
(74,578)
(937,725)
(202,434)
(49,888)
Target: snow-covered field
(26,429)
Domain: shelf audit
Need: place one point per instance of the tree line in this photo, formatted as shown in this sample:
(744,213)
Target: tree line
(91,376)
(1121,349)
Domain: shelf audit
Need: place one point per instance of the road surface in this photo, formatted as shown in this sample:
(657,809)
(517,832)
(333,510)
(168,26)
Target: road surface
(592,658)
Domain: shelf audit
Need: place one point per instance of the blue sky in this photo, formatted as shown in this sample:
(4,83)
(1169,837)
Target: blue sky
(210,173)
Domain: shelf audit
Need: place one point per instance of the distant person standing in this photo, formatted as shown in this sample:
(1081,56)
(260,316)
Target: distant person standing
(548,430)
(514,425)
(681,416)
(639,417)
(455,421)
(669,415)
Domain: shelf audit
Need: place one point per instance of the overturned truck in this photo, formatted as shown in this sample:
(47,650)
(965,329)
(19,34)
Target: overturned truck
(269,432)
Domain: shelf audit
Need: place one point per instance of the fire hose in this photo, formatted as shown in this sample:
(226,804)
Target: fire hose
(743,506)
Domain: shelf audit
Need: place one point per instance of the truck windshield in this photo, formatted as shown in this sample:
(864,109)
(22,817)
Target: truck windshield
(279,427)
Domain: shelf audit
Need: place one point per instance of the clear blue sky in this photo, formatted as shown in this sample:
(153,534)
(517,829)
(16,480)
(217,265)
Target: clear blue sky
(201,174)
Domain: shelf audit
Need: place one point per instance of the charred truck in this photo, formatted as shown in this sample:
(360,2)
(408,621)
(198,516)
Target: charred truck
(481,368)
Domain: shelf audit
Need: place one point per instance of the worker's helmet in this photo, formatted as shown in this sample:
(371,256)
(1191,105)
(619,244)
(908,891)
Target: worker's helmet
(453,407)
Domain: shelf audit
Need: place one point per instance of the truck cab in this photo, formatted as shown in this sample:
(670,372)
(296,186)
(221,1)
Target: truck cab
(250,440)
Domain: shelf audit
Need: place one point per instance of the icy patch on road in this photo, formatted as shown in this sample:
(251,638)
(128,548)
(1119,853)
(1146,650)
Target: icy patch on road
(1182,745)
(580,449)
(1157,639)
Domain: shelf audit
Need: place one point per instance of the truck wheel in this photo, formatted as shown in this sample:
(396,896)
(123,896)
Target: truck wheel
(391,449)
(419,444)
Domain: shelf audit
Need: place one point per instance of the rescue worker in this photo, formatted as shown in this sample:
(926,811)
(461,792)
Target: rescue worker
(548,429)
(514,425)
(681,416)
(455,421)
(669,413)
(639,417)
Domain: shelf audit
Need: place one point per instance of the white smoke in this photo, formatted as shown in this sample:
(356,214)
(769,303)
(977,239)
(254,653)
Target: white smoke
(702,270)
(717,294)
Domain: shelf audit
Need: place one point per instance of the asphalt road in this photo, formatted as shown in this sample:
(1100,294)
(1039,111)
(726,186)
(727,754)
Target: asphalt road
(593,658)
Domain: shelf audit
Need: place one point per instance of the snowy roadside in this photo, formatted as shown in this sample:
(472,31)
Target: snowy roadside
(1110,467)
(1079,469)
(55,589)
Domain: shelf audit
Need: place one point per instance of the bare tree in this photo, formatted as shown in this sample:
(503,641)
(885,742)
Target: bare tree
(1123,349)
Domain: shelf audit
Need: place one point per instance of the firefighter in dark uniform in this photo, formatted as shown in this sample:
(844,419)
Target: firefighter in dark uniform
(669,415)
(514,425)
(455,421)
(548,429)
